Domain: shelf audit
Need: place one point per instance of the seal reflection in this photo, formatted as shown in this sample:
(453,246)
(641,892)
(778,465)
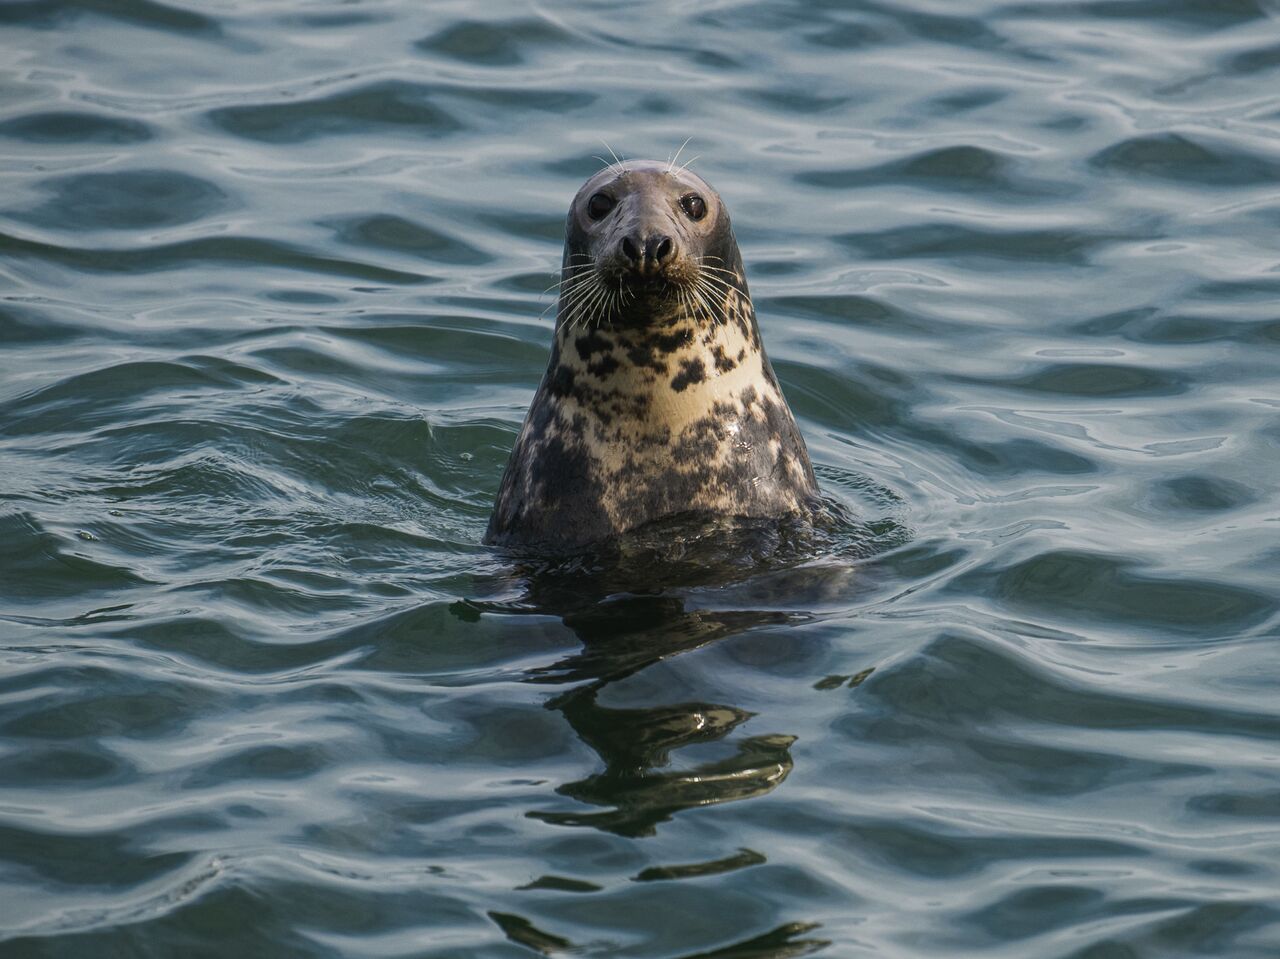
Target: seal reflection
(637,789)
(632,604)
(628,605)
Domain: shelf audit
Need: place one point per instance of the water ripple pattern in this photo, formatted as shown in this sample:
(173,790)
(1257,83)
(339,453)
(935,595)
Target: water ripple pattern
(272,308)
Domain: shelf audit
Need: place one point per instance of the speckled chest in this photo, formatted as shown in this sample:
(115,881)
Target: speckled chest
(633,424)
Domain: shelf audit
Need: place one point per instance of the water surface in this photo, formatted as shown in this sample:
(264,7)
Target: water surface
(272,308)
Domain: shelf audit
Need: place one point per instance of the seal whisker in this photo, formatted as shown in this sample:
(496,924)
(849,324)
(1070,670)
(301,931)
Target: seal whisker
(577,288)
(726,279)
(560,309)
(568,306)
(696,302)
(706,291)
(687,163)
(717,283)
(591,314)
(560,283)
(573,300)
(704,265)
(599,307)
(703,282)
(567,296)
(605,312)
(721,281)
(607,305)
(731,277)
(690,300)
(582,311)
(606,308)
(618,164)
(612,306)
(722,291)
(716,316)
(567,275)
(676,159)
(685,305)
(587,305)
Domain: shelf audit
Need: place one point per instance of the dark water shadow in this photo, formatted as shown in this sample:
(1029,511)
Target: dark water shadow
(642,600)
(784,942)
(638,788)
(650,597)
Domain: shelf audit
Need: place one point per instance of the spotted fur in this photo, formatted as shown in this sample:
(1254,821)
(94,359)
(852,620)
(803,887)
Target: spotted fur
(659,402)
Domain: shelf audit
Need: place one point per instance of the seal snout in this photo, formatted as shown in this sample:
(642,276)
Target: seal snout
(646,255)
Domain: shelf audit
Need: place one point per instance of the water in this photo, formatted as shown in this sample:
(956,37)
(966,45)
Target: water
(270,306)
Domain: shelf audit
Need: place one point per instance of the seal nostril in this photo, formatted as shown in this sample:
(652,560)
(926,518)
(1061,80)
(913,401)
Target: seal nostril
(659,248)
(629,250)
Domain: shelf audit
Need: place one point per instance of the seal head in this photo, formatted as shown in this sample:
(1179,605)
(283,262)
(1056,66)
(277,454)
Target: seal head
(658,398)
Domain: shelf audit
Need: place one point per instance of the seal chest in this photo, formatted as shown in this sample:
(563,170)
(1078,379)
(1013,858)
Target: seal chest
(659,398)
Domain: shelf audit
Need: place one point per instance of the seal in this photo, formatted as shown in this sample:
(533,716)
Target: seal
(658,398)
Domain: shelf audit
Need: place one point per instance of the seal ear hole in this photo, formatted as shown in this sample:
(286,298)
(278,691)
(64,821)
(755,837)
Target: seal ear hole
(694,206)
(599,205)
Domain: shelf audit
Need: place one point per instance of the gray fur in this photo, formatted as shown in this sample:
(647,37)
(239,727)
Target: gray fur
(658,398)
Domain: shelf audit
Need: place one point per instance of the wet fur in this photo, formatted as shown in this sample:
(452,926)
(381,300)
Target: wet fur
(653,403)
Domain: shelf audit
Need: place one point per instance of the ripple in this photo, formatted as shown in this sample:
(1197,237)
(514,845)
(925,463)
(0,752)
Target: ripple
(960,169)
(1176,156)
(1195,14)
(1254,61)
(144,13)
(157,898)
(1103,587)
(226,251)
(494,43)
(40,564)
(398,234)
(71,127)
(386,104)
(61,766)
(414,107)
(128,200)
(932,689)
(96,395)
(1201,494)
(1103,379)
(954,241)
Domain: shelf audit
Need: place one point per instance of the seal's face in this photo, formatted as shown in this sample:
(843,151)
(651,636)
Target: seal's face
(645,240)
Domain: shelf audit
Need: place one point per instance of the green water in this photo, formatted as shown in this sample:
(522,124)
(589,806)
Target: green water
(271,312)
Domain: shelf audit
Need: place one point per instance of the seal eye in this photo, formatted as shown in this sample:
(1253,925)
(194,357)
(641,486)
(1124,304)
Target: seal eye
(694,205)
(599,205)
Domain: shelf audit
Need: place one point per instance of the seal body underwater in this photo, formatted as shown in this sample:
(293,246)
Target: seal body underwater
(658,398)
